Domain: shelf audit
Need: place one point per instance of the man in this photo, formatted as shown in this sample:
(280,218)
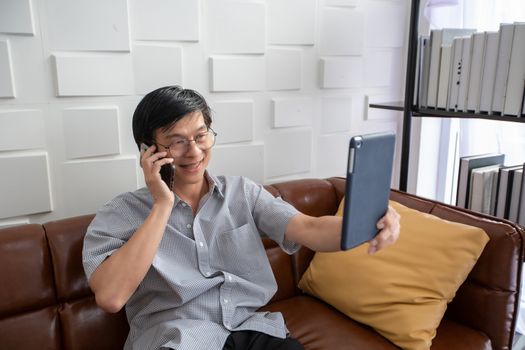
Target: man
(188,261)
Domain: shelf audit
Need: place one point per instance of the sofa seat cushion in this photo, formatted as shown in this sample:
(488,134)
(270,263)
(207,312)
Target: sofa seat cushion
(318,326)
(453,335)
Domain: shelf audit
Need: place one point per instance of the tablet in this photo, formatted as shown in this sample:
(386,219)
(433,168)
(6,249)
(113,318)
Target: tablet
(368,179)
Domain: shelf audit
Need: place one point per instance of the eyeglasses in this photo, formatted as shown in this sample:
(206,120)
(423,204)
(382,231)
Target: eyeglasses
(179,146)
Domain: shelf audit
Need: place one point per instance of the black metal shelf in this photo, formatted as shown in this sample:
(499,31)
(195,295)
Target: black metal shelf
(440,113)
(394,106)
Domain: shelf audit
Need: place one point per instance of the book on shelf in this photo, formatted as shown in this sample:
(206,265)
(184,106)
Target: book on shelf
(482,192)
(476,66)
(489,72)
(515,197)
(423,71)
(439,38)
(455,74)
(516,81)
(505,179)
(506,35)
(466,54)
(444,75)
(466,164)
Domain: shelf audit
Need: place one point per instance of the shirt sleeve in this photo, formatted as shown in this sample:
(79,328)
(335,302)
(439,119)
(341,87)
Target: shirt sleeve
(108,231)
(271,215)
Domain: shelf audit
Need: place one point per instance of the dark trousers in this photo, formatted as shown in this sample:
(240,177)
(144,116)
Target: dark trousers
(252,340)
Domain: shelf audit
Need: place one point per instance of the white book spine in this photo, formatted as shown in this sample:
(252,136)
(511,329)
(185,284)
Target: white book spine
(444,74)
(436,37)
(489,72)
(516,80)
(506,34)
(455,74)
(476,67)
(466,54)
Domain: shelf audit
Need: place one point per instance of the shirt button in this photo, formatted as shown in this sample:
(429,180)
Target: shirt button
(227,325)
(229,278)
(207,273)
(183,204)
(188,226)
(201,244)
(226,301)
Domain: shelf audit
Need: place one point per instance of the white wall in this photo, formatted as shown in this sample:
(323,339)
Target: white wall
(287,79)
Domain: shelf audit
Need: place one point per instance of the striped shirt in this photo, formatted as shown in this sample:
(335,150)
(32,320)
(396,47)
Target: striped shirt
(210,273)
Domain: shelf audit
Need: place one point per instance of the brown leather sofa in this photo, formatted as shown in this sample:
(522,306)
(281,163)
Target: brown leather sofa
(45,301)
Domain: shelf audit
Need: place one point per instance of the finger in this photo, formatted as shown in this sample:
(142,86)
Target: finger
(154,157)
(163,161)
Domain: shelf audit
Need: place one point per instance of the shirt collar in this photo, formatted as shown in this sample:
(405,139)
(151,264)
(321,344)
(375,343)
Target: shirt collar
(213,182)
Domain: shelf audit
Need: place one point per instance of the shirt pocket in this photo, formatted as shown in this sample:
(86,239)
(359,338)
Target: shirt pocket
(241,250)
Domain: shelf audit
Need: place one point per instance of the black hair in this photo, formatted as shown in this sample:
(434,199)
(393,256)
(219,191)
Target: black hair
(162,108)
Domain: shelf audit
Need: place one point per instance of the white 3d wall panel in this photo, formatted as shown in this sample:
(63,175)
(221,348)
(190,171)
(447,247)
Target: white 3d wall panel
(341,72)
(90,184)
(233,121)
(237,73)
(93,75)
(90,132)
(336,114)
(236,26)
(155,66)
(25,185)
(235,160)
(289,112)
(165,19)
(291,22)
(7,86)
(386,23)
(342,32)
(87,25)
(283,69)
(16,17)
(22,129)
(288,152)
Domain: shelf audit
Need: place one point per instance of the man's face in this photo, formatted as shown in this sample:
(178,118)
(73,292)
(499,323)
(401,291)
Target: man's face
(191,164)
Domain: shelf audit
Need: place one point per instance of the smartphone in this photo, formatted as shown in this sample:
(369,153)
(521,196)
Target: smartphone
(167,171)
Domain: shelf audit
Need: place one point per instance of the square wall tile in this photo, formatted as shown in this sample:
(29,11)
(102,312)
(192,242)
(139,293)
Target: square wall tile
(101,180)
(385,23)
(289,112)
(156,66)
(288,152)
(342,31)
(336,114)
(233,121)
(96,25)
(291,22)
(90,132)
(165,19)
(332,155)
(236,26)
(339,72)
(25,185)
(284,69)
(7,81)
(93,75)
(245,160)
(22,129)
(378,68)
(237,74)
(16,17)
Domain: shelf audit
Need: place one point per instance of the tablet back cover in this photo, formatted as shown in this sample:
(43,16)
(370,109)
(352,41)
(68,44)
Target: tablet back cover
(368,179)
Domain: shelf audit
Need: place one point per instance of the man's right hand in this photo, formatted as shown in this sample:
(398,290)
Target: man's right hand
(151,163)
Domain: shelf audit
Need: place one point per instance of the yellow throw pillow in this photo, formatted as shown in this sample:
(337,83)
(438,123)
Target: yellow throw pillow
(401,291)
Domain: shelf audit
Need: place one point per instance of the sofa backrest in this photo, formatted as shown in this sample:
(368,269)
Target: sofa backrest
(45,301)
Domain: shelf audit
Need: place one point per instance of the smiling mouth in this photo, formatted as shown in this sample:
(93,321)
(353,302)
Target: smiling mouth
(191,166)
